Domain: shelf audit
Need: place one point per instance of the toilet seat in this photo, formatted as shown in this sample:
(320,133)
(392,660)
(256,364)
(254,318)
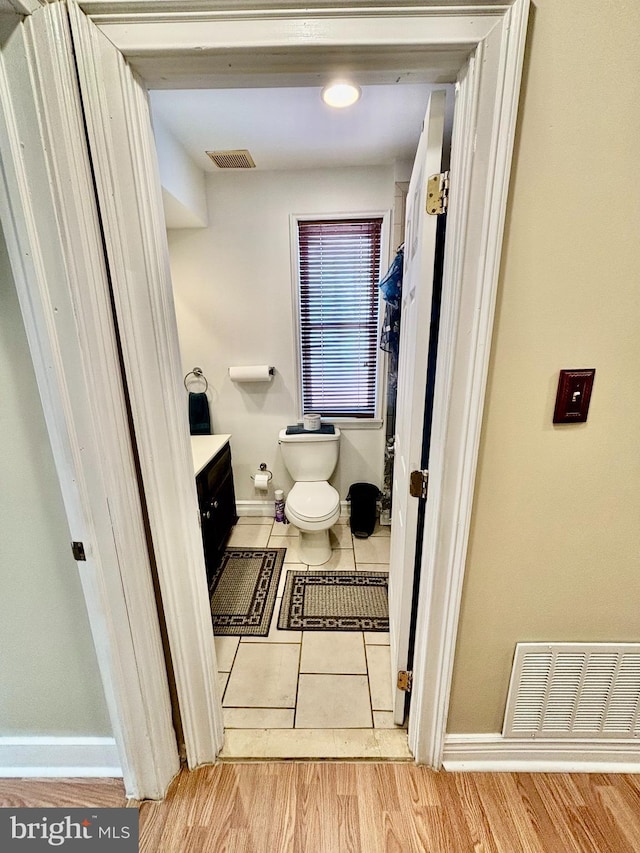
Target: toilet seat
(313,503)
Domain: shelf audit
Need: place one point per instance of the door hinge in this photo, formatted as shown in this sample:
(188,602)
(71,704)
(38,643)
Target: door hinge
(419,484)
(438,194)
(78,551)
(405,679)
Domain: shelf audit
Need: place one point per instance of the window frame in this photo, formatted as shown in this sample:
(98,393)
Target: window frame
(377,421)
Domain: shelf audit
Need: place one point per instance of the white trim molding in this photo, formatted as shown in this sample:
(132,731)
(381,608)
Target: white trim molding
(131,10)
(482,753)
(481,151)
(265,509)
(122,151)
(53,238)
(20,7)
(23,757)
(255,509)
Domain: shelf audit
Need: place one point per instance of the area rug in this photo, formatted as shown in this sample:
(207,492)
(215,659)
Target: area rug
(335,601)
(243,590)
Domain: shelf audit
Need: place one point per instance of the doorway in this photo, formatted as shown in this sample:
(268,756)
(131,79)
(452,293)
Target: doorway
(232,282)
(189,51)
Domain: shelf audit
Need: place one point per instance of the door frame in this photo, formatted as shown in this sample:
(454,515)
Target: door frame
(53,237)
(162,43)
(492,37)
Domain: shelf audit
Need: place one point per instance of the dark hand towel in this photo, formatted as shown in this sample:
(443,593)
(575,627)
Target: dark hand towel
(199,420)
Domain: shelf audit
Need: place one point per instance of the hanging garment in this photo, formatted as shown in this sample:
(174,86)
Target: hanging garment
(391,284)
(391,289)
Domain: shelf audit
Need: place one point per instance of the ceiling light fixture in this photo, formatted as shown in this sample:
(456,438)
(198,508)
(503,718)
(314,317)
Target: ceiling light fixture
(341,94)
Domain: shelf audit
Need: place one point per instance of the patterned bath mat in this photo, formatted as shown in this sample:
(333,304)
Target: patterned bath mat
(243,590)
(335,601)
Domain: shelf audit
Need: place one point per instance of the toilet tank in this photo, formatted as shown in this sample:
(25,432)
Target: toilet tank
(310,457)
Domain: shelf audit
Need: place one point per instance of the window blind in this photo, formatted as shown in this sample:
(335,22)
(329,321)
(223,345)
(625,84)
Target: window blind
(339,269)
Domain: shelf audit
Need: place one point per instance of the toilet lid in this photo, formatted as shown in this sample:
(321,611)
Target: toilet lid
(313,501)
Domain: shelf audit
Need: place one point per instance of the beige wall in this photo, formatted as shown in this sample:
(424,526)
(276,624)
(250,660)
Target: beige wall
(49,680)
(555,543)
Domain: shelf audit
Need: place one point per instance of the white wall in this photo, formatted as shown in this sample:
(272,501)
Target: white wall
(49,679)
(183,186)
(233,295)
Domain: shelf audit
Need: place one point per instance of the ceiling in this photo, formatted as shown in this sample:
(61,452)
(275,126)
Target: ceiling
(291,128)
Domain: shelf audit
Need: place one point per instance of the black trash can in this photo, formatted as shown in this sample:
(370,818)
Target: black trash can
(363,498)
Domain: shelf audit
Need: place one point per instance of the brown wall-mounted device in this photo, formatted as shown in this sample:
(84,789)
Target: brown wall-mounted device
(574,393)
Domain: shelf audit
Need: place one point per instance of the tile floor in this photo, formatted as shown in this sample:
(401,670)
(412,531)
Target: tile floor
(312,680)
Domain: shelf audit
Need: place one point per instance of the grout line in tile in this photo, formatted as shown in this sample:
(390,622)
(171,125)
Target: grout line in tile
(336,674)
(226,684)
(366,659)
(235,654)
(261,707)
(324,672)
(295,709)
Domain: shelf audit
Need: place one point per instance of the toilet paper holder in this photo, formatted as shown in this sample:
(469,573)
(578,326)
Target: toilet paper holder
(262,470)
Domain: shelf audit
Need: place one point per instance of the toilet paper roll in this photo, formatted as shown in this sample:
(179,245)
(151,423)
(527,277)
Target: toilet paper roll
(251,373)
(261,481)
(311,422)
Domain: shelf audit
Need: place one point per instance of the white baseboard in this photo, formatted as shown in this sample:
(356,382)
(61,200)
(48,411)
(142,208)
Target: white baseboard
(265,508)
(494,753)
(256,508)
(58,756)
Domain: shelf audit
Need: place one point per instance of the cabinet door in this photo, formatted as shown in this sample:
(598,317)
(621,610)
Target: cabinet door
(210,541)
(223,511)
(216,497)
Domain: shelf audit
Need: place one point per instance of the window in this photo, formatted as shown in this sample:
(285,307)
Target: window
(338,274)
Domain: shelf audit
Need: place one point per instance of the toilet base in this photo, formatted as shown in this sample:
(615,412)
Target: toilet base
(314,547)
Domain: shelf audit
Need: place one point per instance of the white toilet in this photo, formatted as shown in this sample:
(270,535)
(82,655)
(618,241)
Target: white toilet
(313,505)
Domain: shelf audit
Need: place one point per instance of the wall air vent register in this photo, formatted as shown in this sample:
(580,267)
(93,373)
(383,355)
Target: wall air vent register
(577,690)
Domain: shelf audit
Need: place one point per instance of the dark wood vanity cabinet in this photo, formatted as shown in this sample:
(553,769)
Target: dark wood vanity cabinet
(217,501)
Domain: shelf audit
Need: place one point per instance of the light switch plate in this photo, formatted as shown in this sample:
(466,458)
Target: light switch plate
(574,394)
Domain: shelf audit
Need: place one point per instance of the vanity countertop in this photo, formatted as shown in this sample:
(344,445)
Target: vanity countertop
(204,448)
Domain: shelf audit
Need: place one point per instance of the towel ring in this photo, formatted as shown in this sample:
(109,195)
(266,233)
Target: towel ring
(197,372)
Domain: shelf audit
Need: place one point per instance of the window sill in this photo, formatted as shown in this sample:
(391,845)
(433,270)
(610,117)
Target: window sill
(355,423)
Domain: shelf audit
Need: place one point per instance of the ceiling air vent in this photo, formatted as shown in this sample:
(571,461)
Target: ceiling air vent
(240,159)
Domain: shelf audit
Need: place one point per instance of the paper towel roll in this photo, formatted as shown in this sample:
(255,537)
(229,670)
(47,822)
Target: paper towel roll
(261,481)
(251,373)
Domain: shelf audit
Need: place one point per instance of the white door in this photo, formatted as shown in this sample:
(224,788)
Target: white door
(417,283)
(122,151)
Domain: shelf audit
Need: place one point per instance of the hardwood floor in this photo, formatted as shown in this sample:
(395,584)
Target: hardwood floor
(67,793)
(269,807)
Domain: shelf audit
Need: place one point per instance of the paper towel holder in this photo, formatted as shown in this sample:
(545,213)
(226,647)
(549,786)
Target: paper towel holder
(263,470)
(252,373)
